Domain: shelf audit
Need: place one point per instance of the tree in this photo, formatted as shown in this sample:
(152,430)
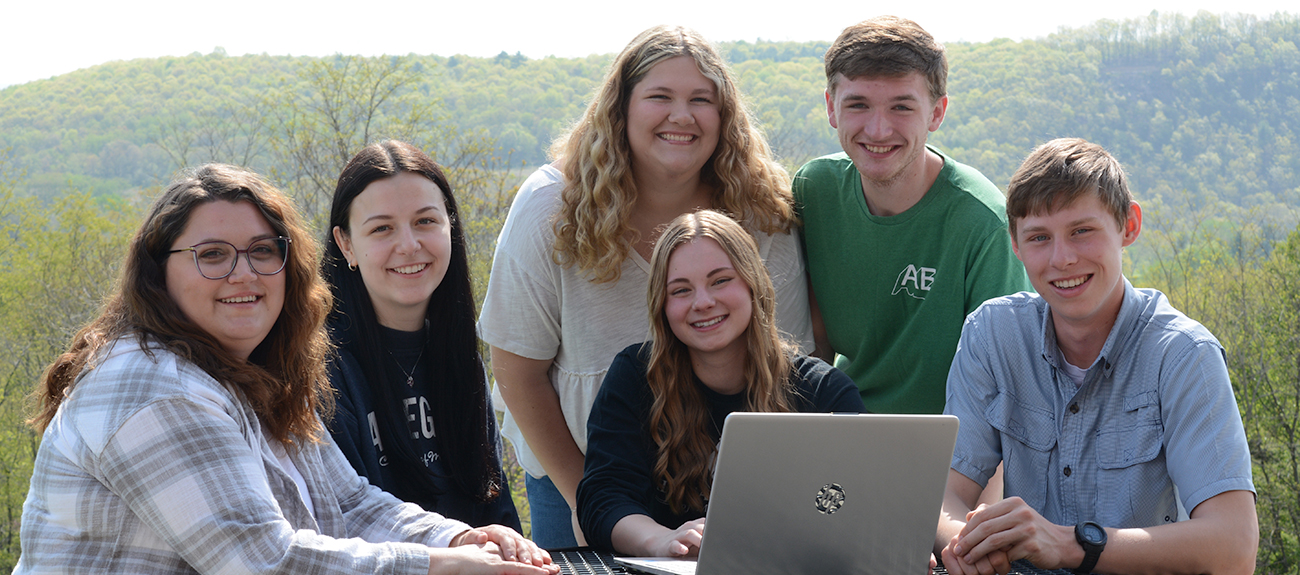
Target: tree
(1223,267)
(338,105)
(57,262)
(231,133)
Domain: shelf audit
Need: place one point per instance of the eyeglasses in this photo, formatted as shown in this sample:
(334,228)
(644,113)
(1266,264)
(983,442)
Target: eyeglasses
(217,260)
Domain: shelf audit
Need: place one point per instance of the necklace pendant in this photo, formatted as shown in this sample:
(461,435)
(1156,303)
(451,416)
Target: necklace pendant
(410,380)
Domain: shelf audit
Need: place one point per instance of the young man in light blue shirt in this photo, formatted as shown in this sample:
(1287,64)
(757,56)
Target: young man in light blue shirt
(1098,398)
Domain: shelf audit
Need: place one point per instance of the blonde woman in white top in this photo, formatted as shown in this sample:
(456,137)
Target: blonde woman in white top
(665,134)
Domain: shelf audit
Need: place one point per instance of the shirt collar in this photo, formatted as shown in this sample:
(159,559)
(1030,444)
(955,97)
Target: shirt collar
(1129,311)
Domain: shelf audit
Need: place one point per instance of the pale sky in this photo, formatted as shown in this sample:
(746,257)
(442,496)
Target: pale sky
(43,39)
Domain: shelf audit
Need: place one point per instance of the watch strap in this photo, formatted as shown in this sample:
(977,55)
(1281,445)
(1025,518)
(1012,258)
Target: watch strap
(1091,551)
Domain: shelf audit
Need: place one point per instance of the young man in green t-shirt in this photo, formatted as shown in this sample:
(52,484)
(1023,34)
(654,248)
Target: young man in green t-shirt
(902,241)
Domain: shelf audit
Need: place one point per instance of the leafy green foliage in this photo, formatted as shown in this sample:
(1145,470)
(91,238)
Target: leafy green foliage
(1201,108)
(1225,267)
(57,261)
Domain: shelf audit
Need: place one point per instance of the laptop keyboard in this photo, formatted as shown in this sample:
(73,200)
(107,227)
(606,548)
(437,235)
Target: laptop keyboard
(599,563)
(1021,567)
(587,563)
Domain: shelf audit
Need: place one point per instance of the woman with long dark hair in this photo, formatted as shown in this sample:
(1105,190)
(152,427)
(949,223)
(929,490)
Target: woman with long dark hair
(665,134)
(181,432)
(654,427)
(414,415)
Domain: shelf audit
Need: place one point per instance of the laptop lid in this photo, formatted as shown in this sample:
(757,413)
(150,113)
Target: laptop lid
(824,493)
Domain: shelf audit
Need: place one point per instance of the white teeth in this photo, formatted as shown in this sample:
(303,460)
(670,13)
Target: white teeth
(877,149)
(241,299)
(676,137)
(1067,284)
(410,269)
(708,323)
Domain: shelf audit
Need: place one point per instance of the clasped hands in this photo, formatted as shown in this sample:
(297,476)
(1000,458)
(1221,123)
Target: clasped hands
(1006,531)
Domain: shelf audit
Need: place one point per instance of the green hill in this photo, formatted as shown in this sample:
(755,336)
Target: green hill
(1205,105)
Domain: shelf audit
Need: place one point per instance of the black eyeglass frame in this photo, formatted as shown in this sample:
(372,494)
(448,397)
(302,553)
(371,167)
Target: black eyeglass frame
(234,262)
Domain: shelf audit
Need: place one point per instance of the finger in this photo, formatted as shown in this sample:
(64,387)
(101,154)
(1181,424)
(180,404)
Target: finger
(524,569)
(540,554)
(955,565)
(993,537)
(528,552)
(979,516)
(520,550)
(985,567)
(475,537)
(1000,561)
(506,542)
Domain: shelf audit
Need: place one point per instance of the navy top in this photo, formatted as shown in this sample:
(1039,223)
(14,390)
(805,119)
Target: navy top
(355,430)
(618,475)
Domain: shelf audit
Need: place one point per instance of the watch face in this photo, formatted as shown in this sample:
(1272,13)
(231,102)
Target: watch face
(1093,533)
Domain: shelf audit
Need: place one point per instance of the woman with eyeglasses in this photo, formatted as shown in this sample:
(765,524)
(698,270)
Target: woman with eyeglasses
(414,415)
(180,428)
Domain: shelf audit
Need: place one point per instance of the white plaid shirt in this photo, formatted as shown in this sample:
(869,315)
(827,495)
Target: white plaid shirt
(152,466)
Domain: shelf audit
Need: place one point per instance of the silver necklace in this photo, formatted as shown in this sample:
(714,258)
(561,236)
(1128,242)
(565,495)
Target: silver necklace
(410,375)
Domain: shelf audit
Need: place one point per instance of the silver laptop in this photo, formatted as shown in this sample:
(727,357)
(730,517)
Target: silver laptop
(816,493)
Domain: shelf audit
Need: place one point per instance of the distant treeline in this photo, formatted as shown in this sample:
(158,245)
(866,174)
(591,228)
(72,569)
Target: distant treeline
(1202,106)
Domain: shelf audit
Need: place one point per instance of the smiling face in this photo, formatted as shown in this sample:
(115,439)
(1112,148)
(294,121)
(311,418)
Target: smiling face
(672,120)
(240,309)
(707,304)
(399,238)
(883,123)
(1074,259)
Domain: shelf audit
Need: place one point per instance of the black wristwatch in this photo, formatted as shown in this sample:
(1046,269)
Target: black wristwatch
(1093,539)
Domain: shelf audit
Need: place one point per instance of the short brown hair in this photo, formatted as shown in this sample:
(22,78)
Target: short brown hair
(1057,173)
(888,46)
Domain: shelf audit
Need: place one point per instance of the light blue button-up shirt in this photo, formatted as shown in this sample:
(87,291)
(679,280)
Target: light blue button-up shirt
(1155,410)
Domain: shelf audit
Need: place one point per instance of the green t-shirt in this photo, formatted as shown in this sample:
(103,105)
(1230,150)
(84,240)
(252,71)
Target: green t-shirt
(894,291)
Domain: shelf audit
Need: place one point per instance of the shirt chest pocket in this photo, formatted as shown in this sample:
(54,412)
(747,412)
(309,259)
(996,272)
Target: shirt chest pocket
(1134,436)
(1028,440)
(1131,466)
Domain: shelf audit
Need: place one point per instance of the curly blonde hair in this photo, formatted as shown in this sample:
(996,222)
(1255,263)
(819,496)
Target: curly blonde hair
(679,417)
(592,229)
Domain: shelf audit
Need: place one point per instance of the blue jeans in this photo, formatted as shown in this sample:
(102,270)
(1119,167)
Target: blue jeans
(551,516)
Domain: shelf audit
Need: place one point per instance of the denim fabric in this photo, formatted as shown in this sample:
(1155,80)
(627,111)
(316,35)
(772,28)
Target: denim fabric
(552,518)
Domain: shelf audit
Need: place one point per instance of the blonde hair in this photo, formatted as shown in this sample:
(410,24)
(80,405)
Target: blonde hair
(592,228)
(679,416)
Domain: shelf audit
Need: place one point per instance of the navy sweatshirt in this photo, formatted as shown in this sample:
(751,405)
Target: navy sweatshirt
(352,430)
(618,476)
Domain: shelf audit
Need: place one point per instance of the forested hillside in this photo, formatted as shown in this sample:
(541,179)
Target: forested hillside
(1204,111)
(1205,104)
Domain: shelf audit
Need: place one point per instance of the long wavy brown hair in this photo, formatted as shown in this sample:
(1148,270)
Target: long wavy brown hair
(679,417)
(283,379)
(592,228)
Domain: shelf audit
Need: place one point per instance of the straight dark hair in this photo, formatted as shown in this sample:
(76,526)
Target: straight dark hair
(451,349)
